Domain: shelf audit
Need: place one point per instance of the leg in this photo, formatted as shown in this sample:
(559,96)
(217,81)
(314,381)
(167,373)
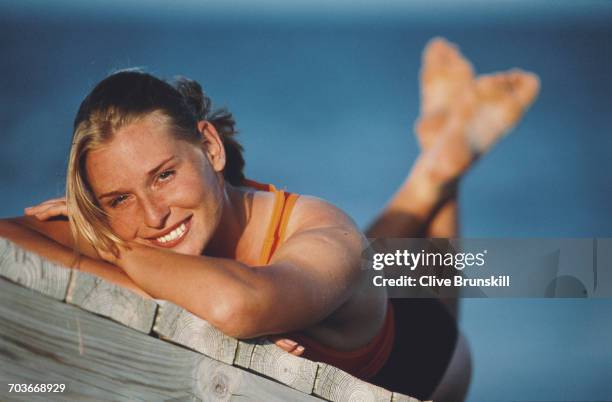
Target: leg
(480,115)
(445,75)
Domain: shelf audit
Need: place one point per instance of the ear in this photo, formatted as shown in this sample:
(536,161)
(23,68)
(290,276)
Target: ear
(212,145)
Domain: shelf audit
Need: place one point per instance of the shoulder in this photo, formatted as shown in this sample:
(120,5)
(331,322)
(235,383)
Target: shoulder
(310,211)
(314,215)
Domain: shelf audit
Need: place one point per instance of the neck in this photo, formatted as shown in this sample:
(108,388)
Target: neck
(237,205)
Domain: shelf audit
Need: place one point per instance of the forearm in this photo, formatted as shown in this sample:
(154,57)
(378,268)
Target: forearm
(211,288)
(240,300)
(57,229)
(33,241)
(42,245)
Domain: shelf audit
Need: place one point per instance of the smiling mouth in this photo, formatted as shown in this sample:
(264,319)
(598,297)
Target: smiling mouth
(175,236)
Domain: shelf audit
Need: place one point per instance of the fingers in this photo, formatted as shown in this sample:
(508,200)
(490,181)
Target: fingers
(288,345)
(52,211)
(52,201)
(48,209)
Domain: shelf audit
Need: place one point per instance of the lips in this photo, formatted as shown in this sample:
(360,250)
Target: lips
(173,235)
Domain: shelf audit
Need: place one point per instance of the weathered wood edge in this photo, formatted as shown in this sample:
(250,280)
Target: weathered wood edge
(94,294)
(178,325)
(337,385)
(173,323)
(44,341)
(33,271)
(397,397)
(272,361)
(244,351)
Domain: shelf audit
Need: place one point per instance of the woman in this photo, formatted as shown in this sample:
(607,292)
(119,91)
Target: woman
(156,188)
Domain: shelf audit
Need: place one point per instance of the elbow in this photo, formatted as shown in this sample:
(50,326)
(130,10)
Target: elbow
(236,318)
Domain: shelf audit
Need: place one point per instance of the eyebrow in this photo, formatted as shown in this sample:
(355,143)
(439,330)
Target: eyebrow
(149,173)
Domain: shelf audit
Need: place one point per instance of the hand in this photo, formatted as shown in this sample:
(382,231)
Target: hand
(287,345)
(48,209)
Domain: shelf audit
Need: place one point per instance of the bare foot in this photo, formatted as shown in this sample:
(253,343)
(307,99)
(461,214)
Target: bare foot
(479,117)
(445,75)
(502,99)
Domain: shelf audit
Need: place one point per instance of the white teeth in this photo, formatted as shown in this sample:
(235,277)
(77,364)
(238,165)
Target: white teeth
(175,234)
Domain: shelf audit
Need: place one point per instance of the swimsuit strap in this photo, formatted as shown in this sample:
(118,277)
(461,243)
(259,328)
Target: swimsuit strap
(283,205)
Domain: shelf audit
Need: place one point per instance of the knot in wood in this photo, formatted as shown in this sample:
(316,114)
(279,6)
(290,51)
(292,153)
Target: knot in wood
(219,385)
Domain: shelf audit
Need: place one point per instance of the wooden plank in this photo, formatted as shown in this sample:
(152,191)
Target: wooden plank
(272,361)
(244,352)
(397,397)
(46,341)
(337,385)
(99,296)
(32,271)
(222,382)
(178,325)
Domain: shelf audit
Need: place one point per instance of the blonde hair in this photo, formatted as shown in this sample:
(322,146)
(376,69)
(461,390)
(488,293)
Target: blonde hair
(87,218)
(117,101)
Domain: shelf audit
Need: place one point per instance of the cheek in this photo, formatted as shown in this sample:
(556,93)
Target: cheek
(125,223)
(195,189)
(189,195)
(202,195)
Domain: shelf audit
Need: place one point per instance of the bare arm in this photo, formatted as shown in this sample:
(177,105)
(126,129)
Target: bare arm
(46,231)
(56,228)
(57,249)
(310,276)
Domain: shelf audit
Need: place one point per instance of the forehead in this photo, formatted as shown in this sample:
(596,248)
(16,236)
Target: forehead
(131,153)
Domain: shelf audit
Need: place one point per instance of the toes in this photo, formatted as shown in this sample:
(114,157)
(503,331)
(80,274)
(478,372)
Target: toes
(440,51)
(441,55)
(488,84)
(502,100)
(524,85)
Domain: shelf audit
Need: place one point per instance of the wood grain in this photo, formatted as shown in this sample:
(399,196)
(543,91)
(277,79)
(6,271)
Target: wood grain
(178,325)
(272,361)
(336,385)
(94,294)
(32,271)
(397,397)
(244,352)
(46,341)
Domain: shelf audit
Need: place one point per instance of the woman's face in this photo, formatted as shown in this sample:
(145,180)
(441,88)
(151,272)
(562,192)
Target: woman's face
(159,190)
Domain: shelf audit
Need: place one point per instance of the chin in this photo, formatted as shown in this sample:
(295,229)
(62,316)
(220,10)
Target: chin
(188,249)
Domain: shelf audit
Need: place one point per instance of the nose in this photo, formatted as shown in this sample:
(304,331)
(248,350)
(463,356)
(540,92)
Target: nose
(156,212)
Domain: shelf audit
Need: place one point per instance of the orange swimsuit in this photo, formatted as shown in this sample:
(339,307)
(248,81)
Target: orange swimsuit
(363,362)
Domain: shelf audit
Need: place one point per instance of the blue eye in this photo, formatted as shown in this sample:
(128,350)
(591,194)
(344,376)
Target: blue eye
(115,202)
(166,175)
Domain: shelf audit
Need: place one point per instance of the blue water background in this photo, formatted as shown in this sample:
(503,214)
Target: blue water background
(325,98)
